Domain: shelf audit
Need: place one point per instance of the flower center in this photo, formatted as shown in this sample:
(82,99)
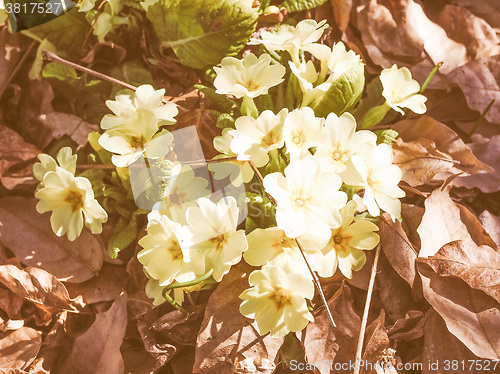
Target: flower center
(137,142)
(268,139)
(219,241)
(75,199)
(297,140)
(336,156)
(176,251)
(337,239)
(177,197)
(299,202)
(280,298)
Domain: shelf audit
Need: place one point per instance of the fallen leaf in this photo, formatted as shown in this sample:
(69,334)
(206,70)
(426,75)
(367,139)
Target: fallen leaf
(444,221)
(162,352)
(376,341)
(338,344)
(409,328)
(479,80)
(419,160)
(179,328)
(13,149)
(471,315)
(107,286)
(342,12)
(487,151)
(227,338)
(491,224)
(52,344)
(397,248)
(11,303)
(478,266)
(97,350)
(19,348)
(68,124)
(445,140)
(37,286)
(475,33)
(74,262)
(11,48)
(440,347)
(412,216)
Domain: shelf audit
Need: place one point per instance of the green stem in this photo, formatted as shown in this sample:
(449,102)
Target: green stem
(248,107)
(429,77)
(480,120)
(375,115)
(194,282)
(174,303)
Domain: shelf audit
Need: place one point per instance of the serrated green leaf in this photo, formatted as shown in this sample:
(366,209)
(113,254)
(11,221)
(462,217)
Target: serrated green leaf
(300,5)
(133,72)
(386,136)
(225,120)
(343,94)
(202,32)
(265,102)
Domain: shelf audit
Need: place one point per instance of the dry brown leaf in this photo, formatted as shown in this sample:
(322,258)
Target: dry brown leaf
(478,266)
(475,33)
(68,124)
(11,48)
(11,303)
(342,13)
(97,350)
(487,151)
(226,338)
(409,328)
(446,141)
(471,315)
(376,341)
(179,328)
(440,346)
(36,285)
(336,345)
(480,80)
(47,357)
(397,248)
(445,221)
(412,216)
(419,160)
(19,348)
(13,149)
(491,224)
(73,262)
(107,286)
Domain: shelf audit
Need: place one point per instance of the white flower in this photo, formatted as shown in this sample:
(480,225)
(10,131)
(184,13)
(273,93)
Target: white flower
(138,139)
(372,168)
(239,172)
(308,200)
(342,140)
(307,76)
(347,243)
(128,104)
(292,39)
(302,131)
(254,138)
(213,242)
(401,91)
(250,77)
(68,197)
(162,256)
(342,60)
(277,301)
(182,191)
(65,159)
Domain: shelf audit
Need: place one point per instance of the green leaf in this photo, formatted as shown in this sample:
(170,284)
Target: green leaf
(67,33)
(386,136)
(372,98)
(343,94)
(261,212)
(221,102)
(202,32)
(125,234)
(225,120)
(300,5)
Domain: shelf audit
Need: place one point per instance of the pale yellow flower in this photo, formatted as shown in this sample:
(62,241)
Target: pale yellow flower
(65,159)
(276,301)
(401,91)
(249,77)
(72,202)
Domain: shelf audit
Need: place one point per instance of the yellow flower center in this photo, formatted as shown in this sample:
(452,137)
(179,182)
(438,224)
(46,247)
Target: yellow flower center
(300,202)
(176,197)
(336,156)
(268,140)
(297,140)
(340,240)
(219,241)
(75,199)
(280,297)
(176,251)
(137,142)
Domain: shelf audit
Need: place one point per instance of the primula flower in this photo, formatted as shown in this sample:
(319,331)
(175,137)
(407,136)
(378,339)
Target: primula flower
(292,39)
(182,191)
(162,256)
(306,75)
(372,168)
(308,201)
(347,243)
(254,138)
(342,60)
(128,104)
(211,237)
(302,131)
(342,140)
(401,91)
(250,77)
(65,159)
(239,172)
(68,197)
(276,301)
